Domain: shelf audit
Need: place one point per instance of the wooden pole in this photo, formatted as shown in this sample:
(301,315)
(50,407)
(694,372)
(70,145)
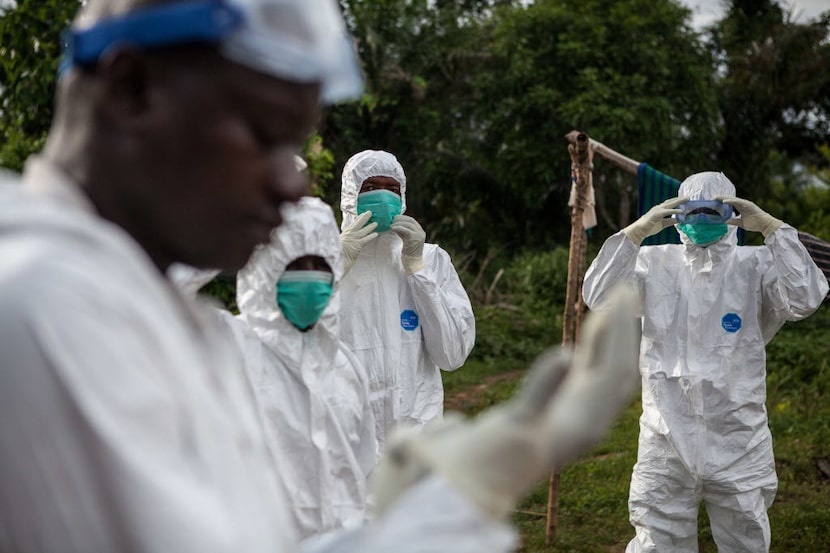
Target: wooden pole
(581,159)
(625,163)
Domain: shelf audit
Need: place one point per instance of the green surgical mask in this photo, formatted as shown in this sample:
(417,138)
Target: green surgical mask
(303,295)
(383,204)
(703,234)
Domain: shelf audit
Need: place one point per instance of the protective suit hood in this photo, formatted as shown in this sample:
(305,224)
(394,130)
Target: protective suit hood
(308,228)
(706,186)
(361,166)
(303,41)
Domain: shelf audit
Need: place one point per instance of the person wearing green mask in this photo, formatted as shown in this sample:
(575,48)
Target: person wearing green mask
(709,307)
(311,392)
(404,311)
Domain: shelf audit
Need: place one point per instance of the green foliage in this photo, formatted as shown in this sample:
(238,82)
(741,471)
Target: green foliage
(798,361)
(522,313)
(631,74)
(540,279)
(765,102)
(30,39)
(223,288)
(320,163)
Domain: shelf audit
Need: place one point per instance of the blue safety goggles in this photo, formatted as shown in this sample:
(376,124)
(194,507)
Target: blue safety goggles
(201,21)
(704,212)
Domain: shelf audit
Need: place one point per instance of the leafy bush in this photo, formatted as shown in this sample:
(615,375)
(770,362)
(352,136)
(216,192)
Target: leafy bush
(539,278)
(524,314)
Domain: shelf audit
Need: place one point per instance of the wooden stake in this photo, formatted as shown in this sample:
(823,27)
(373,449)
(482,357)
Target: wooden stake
(581,159)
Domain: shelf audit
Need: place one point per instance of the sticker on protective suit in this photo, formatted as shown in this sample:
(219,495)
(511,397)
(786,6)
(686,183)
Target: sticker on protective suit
(409,320)
(731,322)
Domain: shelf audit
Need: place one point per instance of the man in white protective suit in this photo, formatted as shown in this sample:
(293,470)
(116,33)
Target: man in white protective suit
(310,390)
(709,307)
(124,424)
(405,313)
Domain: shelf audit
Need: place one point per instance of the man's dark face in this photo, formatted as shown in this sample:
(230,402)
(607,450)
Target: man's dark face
(309,263)
(381,183)
(220,161)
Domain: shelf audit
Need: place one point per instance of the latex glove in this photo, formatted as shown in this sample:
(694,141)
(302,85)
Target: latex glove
(413,236)
(564,406)
(654,220)
(355,236)
(752,217)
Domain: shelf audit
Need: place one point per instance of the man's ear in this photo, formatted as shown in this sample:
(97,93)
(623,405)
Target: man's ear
(126,77)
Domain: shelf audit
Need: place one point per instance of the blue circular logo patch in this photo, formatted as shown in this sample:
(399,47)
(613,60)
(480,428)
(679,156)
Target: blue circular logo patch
(409,320)
(731,322)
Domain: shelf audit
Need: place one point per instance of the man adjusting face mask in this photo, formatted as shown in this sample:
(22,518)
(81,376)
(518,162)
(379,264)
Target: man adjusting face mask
(384,205)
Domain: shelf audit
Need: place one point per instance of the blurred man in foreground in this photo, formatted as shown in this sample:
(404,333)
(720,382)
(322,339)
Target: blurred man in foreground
(124,424)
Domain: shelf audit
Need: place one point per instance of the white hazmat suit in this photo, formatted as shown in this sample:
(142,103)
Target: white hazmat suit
(404,328)
(312,393)
(708,313)
(125,424)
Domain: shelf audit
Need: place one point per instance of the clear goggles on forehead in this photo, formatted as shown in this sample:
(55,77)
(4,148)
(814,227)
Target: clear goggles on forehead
(704,212)
(296,40)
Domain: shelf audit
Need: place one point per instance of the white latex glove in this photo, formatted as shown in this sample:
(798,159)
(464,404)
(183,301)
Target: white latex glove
(564,407)
(413,236)
(752,217)
(654,220)
(355,236)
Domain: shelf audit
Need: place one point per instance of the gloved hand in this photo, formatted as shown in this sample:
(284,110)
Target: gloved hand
(654,220)
(752,217)
(354,237)
(566,403)
(413,236)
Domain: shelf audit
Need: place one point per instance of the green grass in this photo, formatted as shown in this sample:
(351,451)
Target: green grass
(593,512)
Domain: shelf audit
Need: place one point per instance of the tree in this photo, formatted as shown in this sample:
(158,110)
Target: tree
(774,94)
(418,58)
(632,74)
(29,56)
(475,98)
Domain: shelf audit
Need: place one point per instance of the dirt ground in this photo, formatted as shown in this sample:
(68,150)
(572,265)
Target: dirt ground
(460,400)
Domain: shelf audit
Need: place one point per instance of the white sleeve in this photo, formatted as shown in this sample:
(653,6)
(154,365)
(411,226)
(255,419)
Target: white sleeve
(431,517)
(615,264)
(447,319)
(795,287)
(99,452)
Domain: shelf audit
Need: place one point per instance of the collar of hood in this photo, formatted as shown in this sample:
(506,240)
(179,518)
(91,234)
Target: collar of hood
(44,179)
(308,228)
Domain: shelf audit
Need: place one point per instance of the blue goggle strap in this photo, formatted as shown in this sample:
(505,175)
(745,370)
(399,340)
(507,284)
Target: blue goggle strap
(188,22)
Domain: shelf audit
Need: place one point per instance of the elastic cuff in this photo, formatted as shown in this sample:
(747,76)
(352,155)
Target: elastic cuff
(632,236)
(413,265)
(774,225)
